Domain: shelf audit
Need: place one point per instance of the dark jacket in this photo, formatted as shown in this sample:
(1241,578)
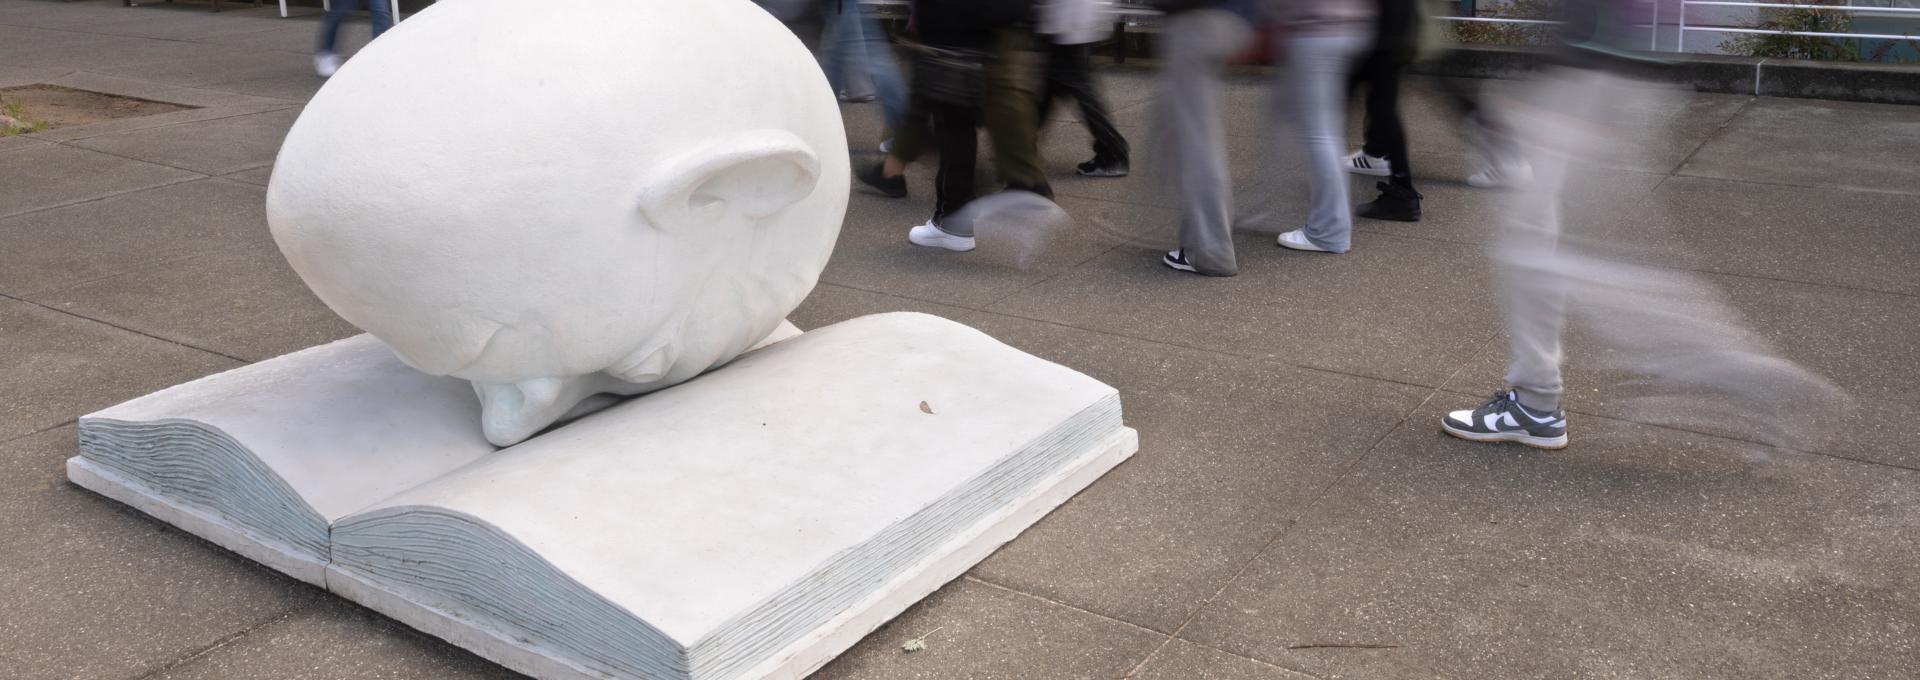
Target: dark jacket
(967,23)
(1399,29)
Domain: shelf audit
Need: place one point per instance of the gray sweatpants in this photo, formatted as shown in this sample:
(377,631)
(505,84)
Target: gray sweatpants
(1534,274)
(1195,51)
(1312,93)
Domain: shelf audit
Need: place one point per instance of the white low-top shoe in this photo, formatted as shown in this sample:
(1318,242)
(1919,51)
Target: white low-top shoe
(1297,240)
(1361,163)
(932,237)
(326,64)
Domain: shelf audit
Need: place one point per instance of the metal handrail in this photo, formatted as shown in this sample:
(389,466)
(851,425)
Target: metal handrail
(1680,36)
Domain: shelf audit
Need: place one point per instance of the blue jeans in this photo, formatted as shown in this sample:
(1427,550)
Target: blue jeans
(856,40)
(337,13)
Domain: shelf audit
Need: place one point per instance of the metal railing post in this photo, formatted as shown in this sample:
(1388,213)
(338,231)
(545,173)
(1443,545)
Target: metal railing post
(1680,36)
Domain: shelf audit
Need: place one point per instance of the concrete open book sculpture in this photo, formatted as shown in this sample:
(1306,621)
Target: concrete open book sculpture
(752,523)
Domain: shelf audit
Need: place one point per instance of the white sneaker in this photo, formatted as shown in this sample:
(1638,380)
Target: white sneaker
(1297,240)
(326,64)
(1360,163)
(1511,174)
(932,237)
(886,145)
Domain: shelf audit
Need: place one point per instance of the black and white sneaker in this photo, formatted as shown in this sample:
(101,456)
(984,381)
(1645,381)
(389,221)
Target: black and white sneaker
(1503,419)
(1362,163)
(1177,260)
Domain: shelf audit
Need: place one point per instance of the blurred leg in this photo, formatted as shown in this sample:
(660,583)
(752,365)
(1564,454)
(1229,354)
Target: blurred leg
(1011,95)
(330,24)
(1070,74)
(881,67)
(1315,80)
(1195,51)
(957,131)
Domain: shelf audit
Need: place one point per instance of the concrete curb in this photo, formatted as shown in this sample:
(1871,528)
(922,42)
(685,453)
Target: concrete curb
(1876,83)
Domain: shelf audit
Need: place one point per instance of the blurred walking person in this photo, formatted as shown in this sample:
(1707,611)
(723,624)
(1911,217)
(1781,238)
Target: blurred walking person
(1071,28)
(1670,327)
(1324,40)
(326,61)
(857,57)
(1197,38)
(1482,122)
(968,70)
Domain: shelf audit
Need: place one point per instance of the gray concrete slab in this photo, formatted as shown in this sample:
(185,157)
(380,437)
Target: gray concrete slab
(187,21)
(86,51)
(1388,309)
(297,35)
(15,76)
(59,248)
(1855,239)
(41,176)
(243,302)
(975,630)
(1808,142)
(335,639)
(214,147)
(831,304)
(1642,552)
(259,176)
(58,367)
(1861,341)
(139,88)
(292,85)
(92,589)
(218,68)
(1182,660)
(1232,450)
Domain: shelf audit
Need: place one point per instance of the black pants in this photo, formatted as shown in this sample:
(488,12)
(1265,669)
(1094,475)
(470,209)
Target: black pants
(956,134)
(1070,74)
(1385,135)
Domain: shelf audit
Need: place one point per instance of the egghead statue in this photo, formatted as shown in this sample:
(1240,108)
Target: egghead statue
(612,198)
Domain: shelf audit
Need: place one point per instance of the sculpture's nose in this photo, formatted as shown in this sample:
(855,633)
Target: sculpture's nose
(512,412)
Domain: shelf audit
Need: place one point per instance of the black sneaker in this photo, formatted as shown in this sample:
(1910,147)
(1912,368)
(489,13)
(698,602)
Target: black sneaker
(875,176)
(1177,260)
(1397,203)
(1503,419)
(1103,167)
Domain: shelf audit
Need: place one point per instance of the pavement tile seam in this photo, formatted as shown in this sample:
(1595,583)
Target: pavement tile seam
(1281,533)
(216,645)
(1056,603)
(1305,511)
(141,333)
(182,180)
(31,295)
(1714,136)
(1681,172)
(78,144)
(1262,662)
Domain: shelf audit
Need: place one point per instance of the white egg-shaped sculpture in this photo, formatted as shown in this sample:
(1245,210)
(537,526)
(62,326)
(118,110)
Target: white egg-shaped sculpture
(610,197)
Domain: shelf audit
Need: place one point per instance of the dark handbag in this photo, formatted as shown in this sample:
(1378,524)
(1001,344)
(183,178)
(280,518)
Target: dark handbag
(951,76)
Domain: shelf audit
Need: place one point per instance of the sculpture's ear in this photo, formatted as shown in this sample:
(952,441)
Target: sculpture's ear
(748,176)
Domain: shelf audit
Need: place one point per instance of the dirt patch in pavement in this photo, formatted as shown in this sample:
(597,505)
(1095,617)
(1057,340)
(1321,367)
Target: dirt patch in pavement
(33,108)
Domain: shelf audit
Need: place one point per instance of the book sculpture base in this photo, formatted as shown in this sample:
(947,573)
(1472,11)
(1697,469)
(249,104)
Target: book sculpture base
(753,523)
